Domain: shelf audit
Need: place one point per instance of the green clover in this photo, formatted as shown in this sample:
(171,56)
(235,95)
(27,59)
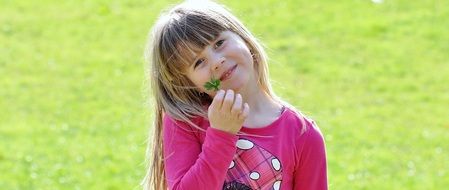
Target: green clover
(213,84)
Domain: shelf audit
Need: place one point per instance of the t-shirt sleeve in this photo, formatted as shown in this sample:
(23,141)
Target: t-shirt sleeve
(311,167)
(192,165)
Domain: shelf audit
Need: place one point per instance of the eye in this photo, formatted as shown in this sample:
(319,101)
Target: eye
(219,43)
(197,63)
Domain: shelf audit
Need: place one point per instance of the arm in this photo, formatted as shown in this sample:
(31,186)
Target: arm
(190,165)
(311,168)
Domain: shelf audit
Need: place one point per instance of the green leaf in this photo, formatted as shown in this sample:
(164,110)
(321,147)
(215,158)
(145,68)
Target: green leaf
(213,84)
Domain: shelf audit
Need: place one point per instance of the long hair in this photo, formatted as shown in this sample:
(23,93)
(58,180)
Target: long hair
(185,29)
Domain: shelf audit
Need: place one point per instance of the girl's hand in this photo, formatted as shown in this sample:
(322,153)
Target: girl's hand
(227,111)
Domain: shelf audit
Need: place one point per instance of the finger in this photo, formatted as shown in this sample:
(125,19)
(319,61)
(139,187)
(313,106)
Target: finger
(228,100)
(245,112)
(237,107)
(218,99)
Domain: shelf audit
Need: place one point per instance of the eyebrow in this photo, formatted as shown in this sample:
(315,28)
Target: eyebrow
(212,42)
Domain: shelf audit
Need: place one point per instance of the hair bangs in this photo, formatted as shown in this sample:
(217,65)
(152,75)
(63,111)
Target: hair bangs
(187,35)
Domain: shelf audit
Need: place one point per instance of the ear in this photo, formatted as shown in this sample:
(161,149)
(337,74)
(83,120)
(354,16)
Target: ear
(253,55)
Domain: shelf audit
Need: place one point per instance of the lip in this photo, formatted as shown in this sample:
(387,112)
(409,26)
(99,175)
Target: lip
(226,75)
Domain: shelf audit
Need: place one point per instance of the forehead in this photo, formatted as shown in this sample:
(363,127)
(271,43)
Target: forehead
(194,50)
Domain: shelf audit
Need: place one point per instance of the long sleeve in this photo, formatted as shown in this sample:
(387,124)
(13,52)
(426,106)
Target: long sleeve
(311,169)
(192,165)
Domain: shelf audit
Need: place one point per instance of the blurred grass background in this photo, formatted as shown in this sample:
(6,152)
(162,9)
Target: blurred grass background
(74,104)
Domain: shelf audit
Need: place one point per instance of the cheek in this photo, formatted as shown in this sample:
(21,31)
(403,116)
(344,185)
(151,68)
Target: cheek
(199,78)
(247,58)
(244,52)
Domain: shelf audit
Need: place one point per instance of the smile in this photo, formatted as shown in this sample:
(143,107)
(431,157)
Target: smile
(228,73)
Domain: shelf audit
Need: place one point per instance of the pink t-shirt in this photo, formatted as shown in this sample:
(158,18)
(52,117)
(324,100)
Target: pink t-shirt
(279,156)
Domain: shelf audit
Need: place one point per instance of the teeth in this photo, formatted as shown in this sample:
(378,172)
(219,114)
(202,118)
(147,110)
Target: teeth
(225,76)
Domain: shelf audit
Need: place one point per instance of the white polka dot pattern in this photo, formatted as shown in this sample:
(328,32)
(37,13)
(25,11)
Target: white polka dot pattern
(254,175)
(244,144)
(276,164)
(277,185)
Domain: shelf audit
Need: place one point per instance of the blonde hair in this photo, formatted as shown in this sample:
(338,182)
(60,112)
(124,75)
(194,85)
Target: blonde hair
(185,29)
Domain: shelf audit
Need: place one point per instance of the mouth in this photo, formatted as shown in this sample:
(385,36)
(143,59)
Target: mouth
(228,73)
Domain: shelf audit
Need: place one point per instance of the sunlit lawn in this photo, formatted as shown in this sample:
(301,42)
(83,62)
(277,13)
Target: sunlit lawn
(74,104)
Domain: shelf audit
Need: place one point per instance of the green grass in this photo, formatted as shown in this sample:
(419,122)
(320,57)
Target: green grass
(74,113)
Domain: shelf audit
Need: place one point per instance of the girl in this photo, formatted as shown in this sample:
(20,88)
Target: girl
(239,135)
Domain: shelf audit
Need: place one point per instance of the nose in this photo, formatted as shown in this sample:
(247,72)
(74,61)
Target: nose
(217,61)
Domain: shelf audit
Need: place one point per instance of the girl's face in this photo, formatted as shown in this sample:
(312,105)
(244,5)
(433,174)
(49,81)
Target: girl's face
(227,58)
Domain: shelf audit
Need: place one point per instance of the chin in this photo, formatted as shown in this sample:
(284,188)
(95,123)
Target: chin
(237,89)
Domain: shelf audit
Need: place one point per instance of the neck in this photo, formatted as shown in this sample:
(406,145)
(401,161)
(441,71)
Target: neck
(263,108)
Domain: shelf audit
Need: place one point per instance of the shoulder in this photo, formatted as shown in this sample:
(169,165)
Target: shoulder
(305,128)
